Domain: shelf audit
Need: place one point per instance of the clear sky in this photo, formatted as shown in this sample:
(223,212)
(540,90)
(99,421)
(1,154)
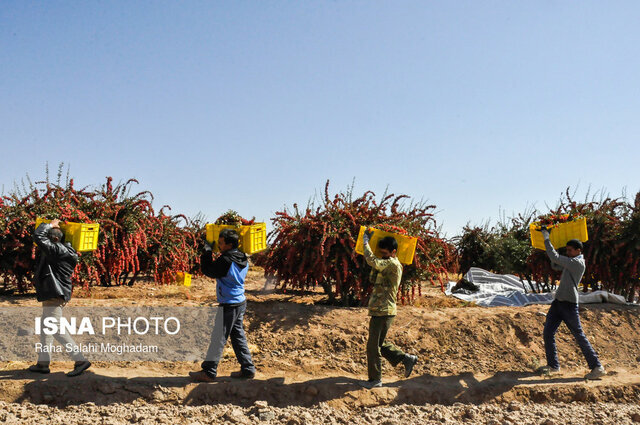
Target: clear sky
(475,106)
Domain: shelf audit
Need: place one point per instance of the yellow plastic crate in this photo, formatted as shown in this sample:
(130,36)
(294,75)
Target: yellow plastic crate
(406,244)
(183,278)
(253,238)
(82,236)
(560,233)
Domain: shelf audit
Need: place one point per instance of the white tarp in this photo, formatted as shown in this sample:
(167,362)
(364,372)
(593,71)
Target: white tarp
(507,290)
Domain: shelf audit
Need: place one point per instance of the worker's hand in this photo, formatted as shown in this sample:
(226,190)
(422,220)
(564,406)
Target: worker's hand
(55,224)
(367,235)
(545,232)
(207,246)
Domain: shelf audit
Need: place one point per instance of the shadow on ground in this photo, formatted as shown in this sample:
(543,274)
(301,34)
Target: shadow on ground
(57,389)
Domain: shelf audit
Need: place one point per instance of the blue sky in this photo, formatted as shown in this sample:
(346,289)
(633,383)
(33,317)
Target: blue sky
(476,106)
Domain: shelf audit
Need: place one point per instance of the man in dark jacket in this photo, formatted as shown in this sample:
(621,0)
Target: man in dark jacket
(52,281)
(230,270)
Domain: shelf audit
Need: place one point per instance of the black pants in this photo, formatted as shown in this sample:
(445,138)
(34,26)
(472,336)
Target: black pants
(228,323)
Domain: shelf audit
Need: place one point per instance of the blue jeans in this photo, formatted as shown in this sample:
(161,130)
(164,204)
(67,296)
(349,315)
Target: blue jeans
(228,323)
(562,311)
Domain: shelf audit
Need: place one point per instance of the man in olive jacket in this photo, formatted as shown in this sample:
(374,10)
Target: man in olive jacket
(52,281)
(385,275)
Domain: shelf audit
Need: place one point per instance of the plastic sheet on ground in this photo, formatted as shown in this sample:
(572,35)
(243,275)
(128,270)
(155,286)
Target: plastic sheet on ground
(507,290)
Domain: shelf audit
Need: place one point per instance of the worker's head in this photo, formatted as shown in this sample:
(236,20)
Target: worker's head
(228,240)
(388,247)
(55,235)
(574,248)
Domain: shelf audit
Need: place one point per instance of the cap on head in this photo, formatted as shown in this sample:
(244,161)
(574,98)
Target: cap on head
(575,244)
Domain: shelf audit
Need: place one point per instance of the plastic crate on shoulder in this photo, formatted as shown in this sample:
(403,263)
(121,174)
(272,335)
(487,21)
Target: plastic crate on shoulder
(253,238)
(82,236)
(406,244)
(560,233)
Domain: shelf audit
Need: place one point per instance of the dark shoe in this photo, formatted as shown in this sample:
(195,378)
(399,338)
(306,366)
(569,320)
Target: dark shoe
(201,376)
(78,368)
(243,375)
(371,384)
(39,368)
(409,362)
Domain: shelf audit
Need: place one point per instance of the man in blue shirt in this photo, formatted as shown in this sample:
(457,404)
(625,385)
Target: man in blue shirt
(564,307)
(230,270)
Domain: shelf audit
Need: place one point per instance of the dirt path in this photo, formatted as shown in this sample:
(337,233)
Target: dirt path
(169,414)
(310,358)
(108,383)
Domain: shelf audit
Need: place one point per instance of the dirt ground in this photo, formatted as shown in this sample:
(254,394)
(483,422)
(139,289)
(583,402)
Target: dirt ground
(475,366)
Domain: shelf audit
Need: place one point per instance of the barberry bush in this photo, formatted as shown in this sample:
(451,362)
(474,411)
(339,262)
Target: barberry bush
(316,245)
(612,253)
(133,240)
